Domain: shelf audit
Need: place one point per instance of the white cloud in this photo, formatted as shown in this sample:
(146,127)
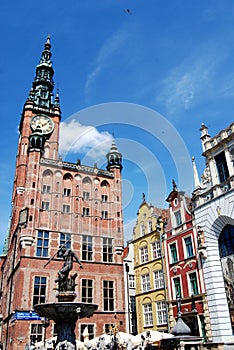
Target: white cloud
(192,81)
(82,139)
(110,47)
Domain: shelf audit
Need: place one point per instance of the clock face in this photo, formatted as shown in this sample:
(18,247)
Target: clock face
(45,123)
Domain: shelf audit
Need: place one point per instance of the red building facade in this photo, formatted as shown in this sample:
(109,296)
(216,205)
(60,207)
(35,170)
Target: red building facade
(58,203)
(185,286)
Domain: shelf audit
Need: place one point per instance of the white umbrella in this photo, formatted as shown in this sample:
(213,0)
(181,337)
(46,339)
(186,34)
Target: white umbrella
(105,337)
(153,337)
(79,344)
(123,337)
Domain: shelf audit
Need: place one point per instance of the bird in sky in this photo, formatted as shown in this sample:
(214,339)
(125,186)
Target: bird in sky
(128,11)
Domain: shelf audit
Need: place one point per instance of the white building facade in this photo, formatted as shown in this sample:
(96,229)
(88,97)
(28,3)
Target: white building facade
(213,198)
(130,291)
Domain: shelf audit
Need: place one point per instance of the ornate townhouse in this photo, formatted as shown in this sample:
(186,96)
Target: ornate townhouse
(57,203)
(151,306)
(213,199)
(184,267)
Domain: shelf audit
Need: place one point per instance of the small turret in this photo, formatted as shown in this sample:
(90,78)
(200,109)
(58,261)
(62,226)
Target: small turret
(204,135)
(114,158)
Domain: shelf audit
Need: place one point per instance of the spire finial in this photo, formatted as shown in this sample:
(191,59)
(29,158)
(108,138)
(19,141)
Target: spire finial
(174,185)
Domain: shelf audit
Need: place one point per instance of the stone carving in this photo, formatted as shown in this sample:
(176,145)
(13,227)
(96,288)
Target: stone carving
(206,177)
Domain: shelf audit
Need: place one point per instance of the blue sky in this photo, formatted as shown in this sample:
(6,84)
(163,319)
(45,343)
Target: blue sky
(149,77)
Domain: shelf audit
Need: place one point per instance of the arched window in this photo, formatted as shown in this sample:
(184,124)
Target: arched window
(226,241)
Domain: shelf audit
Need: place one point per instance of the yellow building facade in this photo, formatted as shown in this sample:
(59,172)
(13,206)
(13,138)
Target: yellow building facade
(151,306)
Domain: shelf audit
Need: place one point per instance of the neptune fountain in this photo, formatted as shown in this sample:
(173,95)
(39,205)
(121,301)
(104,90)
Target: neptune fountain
(65,312)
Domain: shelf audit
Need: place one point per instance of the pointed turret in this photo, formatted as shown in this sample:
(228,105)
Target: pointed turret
(42,88)
(114,158)
(204,136)
(195,174)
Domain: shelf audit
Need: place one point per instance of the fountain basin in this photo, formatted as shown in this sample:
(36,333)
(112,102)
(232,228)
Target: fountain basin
(65,310)
(65,315)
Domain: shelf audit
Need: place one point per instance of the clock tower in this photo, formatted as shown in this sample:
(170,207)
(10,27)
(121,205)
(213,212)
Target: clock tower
(58,203)
(39,133)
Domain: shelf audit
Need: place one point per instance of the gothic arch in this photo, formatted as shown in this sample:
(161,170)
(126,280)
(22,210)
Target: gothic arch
(105,184)
(47,173)
(86,181)
(67,177)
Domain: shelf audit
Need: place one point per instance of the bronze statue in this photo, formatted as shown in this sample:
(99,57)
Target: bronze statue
(66,283)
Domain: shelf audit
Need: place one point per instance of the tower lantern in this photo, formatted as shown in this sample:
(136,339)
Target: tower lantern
(114,158)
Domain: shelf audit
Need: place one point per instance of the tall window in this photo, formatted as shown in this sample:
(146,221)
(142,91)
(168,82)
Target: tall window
(39,290)
(132,303)
(66,209)
(131,281)
(173,250)
(177,287)
(45,205)
(107,249)
(36,332)
(104,214)
(104,198)
(148,315)
(142,228)
(222,168)
(66,192)
(86,211)
(178,218)
(42,243)
(145,282)
(161,312)
(156,249)
(144,254)
(46,189)
(65,240)
(133,329)
(158,279)
(193,283)
(87,248)
(108,295)
(90,330)
(150,227)
(87,291)
(188,246)
(85,195)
